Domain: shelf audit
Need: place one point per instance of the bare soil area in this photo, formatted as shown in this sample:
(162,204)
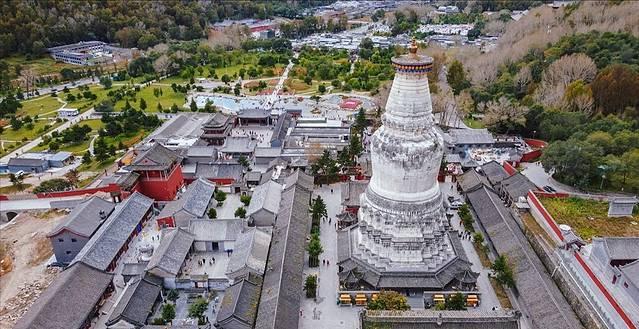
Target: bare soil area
(24,250)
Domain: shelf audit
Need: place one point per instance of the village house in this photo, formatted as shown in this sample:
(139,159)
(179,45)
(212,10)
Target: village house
(239,304)
(68,238)
(135,304)
(250,251)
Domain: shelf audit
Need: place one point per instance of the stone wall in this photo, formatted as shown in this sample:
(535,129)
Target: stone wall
(562,278)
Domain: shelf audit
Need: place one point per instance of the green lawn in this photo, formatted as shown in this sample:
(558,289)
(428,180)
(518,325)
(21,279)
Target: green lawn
(12,189)
(40,106)
(23,132)
(85,104)
(77,148)
(96,166)
(167,99)
(589,217)
(474,123)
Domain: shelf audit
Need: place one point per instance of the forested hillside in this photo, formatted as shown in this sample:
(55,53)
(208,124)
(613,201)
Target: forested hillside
(29,27)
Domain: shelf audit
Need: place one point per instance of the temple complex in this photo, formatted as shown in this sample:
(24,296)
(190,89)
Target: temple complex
(402,239)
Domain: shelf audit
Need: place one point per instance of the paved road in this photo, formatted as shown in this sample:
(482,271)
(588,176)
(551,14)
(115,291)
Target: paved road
(73,84)
(34,204)
(270,100)
(35,142)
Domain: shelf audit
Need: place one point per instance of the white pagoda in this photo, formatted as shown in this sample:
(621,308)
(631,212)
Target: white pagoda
(402,239)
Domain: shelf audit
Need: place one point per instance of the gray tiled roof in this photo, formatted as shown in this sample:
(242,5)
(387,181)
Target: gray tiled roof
(68,301)
(631,271)
(266,196)
(426,319)
(517,185)
(135,303)
(27,162)
(253,176)
(494,172)
(86,217)
(215,229)
(280,301)
(156,157)
(220,170)
(622,248)
(250,250)
(240,301)
(238,145)
(107,241)
(471,136)
(195,201)
(202,151)
(300,179)
(547,306)
(218,120)
(255,113)
(167,259)
(268,152)
(470,179)
(281,127)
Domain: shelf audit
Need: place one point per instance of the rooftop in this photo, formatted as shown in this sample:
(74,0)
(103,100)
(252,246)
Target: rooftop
(80,287)
(86,217)
(195,201)
(471,136)
(169,256)
(250,250)
(215,229)
(135,304)
(156,157)
(238,145)
(266,196)
(279,305)
(109,239)
(240,301)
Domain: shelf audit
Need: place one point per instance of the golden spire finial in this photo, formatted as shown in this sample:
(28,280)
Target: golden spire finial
(413,47)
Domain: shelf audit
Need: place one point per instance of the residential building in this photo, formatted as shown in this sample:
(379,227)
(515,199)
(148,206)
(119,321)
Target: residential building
(28,165)
(250,252)
(160,172)
(112,239)
(470,179)
(71,300)
(215,235)
(135,304)
(70,236)
(265,203)
(494,172)
(192,204)
(514,187)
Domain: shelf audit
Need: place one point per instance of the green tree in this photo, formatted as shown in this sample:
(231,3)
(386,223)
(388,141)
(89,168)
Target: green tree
(172,295)
(245,199)
(456,77)
(168,312)
(197,309)
(574,162)
(503,272)
(360,121)
(355,146)
(101,150)
(142,104)
(310,286)
(193,105)
(240,212)
(220,196)
(86,158)
(17,181)
(226,78)
(318,210)
(308,80)
(390,301)
(314,249)
(212,213)
(242,160)
(53,185)
(106,82)
(321,88)
(456,302)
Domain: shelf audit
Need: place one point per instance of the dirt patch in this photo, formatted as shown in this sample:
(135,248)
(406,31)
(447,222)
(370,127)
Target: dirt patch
(6,259)
(27,249)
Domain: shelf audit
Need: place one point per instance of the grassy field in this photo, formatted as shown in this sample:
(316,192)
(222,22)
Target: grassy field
(167,99)
(41,66)
(589,218)
(12,189)
(23,132)
(474,123)
(96,166)
(77,148)
(40,106)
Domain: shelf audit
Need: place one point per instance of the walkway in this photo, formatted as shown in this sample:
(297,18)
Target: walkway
(325,313)
(270,100)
